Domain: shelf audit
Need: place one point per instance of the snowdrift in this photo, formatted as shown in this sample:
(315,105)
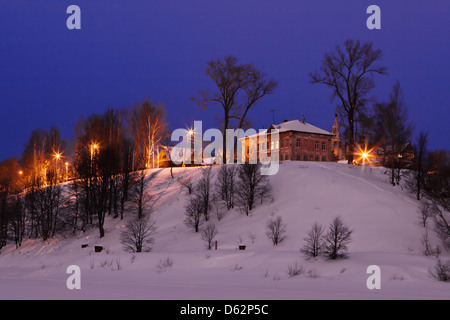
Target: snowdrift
(384,220)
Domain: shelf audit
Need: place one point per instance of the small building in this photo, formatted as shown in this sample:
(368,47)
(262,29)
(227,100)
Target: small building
(398,156)
(299,141)
(174,157)
(180,157)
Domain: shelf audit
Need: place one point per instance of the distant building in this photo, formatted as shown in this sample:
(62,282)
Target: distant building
(299,141)
(398,156)
(179,157)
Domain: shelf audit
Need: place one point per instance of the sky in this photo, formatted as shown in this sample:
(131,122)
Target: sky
(128,51)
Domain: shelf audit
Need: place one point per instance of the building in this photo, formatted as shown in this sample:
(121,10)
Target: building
(299,141)
(179,157)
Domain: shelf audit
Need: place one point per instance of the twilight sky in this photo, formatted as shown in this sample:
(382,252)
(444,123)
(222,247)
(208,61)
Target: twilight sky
(130,50)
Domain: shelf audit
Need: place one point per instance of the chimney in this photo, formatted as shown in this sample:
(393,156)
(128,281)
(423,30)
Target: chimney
(303,119)
(285,121)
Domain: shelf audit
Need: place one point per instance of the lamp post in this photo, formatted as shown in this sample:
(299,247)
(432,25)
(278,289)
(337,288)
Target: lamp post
(189,133)
(57,157)
(67,170)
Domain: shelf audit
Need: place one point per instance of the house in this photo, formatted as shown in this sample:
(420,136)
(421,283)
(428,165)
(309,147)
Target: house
(298,141)
(401,155)
(178,157)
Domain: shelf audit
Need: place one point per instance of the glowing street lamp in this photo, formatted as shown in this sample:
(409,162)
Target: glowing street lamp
(67,170)
(189,133)
(94,147)
(57,156)
(364,155)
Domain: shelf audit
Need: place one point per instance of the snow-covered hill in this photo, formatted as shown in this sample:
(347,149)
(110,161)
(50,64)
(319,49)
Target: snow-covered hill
(387,233)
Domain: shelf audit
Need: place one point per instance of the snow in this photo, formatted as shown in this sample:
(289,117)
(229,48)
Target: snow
(387,233)
(300,126)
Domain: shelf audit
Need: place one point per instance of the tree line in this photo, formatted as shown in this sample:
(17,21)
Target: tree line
(58,187)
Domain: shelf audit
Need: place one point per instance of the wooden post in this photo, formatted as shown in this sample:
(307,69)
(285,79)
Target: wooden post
(215,245)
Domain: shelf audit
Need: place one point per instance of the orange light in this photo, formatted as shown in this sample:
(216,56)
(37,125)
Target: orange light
(191,132)
(21,172)
(364,155)
(58,156)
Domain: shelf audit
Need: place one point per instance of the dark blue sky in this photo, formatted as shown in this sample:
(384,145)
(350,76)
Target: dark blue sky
(131,50)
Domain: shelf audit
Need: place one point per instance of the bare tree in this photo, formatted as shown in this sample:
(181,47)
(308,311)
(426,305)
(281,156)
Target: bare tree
(139,234)
(275,230)
(187,183)
(203,191)
(208,234)
(425,212)
(313,241)
(250,184)
(441,271)
(419,170)
(336,239)
(441,217)
(140,196)
(226,184)
(349,71)
(194,213)
(239,87)
(148,129)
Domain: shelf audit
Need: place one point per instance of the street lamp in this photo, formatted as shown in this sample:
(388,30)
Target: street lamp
(57,157)
(67,170)
(94,147)
(188,134)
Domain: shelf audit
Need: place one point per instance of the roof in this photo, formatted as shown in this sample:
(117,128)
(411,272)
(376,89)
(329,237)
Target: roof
(300,126)
(293,125)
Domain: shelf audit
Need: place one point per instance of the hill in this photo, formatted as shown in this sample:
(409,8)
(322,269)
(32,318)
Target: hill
(384,220)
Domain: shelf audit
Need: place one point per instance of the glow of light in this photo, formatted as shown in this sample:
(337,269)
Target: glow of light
(364,155)
(21,172)
(57,156)
(191,132)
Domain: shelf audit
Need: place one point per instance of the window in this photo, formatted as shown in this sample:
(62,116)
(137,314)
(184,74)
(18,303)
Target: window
(298,157)
(324,159)
(335,145)
(316,158)
(305,157)
(298,143)
(282,143)
(317,145)
(324,146)
(274,145)
(286,157)
(287,143)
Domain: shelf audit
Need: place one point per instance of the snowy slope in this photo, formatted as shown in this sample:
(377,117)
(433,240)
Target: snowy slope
(386,233)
